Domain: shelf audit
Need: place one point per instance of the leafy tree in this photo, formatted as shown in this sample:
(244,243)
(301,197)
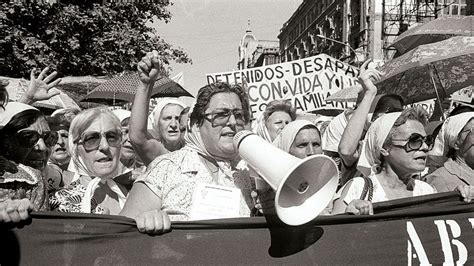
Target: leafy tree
(79,37)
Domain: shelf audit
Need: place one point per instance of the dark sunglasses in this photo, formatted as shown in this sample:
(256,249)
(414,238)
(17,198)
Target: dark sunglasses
(221,117)
(415,142)
(29,138)
(91,140)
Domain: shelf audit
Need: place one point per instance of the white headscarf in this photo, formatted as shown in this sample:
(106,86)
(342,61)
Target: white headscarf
(156,113)
(261,129)
(194,142)
(287,136)
(448,135)
(121,114)
(373,142)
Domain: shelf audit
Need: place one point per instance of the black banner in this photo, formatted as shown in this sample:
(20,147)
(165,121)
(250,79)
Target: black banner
(428,230)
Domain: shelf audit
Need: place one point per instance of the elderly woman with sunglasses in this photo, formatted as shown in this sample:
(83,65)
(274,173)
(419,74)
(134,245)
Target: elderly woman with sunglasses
(200,180)
(95,142)
(25,139)
(455,143)
(394,154)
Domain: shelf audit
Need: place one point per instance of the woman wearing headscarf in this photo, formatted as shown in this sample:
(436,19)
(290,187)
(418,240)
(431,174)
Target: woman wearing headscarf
(130,162)
(182,185)
(95,142)
(25,146)
(128,157)
(300,138)
(26,140)
(454,144)
(393,155)
(166,117)
(276,116)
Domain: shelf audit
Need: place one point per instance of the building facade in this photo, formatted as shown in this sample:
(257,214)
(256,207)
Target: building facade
(353,30)
(302,35)
(255,53)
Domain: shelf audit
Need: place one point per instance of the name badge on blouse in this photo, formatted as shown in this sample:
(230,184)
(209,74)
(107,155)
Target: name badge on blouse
(215,202)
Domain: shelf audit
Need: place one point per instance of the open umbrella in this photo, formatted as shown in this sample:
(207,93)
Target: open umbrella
(348,94)
(430,71)
(433,31)
(122,88)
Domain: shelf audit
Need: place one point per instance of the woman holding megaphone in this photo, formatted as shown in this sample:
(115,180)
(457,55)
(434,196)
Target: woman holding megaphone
(199,181)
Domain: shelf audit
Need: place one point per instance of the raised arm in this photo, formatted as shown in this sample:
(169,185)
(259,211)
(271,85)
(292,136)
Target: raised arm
(144,144)
(353,132)
(40,88)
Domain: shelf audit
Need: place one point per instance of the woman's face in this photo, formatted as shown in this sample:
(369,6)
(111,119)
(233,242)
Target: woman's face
(307,142)
(127,149)
(103,160)
(218,139)
(168,123)
(36,156)
(60,153)
(276,122)
(400,160)
(466,143)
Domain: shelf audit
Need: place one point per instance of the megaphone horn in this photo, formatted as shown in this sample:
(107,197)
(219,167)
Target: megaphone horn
(304,187)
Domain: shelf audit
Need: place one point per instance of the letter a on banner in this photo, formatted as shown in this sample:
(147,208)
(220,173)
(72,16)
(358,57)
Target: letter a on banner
(415,242)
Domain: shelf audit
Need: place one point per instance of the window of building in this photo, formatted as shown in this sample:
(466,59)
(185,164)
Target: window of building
(452,7)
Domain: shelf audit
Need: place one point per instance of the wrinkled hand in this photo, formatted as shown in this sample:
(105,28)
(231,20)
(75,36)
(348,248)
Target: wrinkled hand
(467,192)
(367,77)
(360,207)
(14,211)
(7,166)
(149,68)
(40,88)
(154,222)
(264,201)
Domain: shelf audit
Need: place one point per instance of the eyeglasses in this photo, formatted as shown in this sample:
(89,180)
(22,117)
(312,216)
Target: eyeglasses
(221,117)
(415,142)
(29,138)
(91,140)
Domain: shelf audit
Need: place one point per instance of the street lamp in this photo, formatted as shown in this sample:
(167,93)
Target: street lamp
(343,43)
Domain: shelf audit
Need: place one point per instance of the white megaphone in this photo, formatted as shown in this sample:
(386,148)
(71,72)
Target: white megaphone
(304,187)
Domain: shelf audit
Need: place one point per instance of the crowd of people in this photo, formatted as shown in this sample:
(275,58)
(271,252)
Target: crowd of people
(155,168)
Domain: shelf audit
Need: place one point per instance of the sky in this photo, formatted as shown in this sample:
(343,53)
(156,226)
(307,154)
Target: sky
(210,32)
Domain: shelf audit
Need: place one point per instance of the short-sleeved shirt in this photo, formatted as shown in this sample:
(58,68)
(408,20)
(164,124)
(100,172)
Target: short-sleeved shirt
(333,133)
(173,177)
(357,186)
(451,175)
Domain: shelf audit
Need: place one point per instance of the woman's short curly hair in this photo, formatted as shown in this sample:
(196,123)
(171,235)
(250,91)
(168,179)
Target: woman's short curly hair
(204,97)
(279,105)
(416,113)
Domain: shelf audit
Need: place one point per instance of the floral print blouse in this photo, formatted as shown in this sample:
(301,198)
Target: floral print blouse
(26,183)
(174,176)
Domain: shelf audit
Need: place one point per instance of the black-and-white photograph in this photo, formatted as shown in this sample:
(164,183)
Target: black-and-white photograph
(245,132)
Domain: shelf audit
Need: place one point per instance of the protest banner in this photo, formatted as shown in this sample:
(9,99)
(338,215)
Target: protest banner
(436,229)
(306,83)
